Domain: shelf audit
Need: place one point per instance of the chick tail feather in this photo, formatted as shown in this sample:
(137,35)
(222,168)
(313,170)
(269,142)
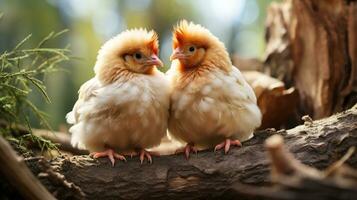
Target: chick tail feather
(70,118)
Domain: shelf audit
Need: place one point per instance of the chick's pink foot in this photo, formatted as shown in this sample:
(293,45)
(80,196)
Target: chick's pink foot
(110,154)
(143,153)
(227,144)
(187,149)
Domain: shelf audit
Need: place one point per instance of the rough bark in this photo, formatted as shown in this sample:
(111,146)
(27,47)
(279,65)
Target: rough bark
(206,175)
(311,45)
(294,180)
(18,175)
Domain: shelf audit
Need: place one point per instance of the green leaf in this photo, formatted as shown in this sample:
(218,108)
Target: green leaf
(22,42)
(42,88)
(22,70)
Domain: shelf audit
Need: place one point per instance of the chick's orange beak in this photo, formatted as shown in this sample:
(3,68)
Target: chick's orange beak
(154,60)
(177,54)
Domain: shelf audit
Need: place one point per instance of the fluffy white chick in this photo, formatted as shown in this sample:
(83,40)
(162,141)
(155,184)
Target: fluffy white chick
(125,106)
(211,103)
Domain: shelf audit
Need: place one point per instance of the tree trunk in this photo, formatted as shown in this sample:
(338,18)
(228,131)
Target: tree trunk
(311,45)
(206,175)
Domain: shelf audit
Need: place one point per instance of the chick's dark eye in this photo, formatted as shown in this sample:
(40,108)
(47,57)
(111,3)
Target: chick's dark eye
(191,49)
(138,56)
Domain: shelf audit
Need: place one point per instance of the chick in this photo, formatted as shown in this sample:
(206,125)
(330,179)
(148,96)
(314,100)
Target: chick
(211,103)
(125,106)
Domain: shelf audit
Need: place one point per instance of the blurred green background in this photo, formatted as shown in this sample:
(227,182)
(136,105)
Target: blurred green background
(238,23)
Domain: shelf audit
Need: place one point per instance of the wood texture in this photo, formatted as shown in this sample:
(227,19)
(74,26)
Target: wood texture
(312,46)
(19,176)
(206,175)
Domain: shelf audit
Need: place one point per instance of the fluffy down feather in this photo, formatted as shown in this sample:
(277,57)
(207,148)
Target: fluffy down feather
(124,109)
(210,99)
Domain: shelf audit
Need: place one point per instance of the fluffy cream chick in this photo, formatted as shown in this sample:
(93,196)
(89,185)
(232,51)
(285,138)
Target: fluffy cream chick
(125,106)
(211,103)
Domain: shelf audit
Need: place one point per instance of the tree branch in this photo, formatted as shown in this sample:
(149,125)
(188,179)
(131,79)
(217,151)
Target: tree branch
(208,174)
(18,175)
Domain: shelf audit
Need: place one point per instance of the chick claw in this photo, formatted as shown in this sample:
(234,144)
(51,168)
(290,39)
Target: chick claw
(226,144)
(131,153)
(110,154)
(187,149)
(147,154)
